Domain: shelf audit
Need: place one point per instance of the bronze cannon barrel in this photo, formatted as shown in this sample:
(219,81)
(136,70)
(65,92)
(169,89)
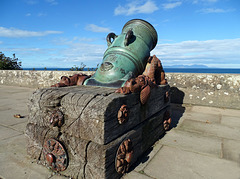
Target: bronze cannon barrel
(126,55)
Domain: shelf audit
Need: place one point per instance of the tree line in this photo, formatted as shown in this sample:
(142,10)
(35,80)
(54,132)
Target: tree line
(7,63)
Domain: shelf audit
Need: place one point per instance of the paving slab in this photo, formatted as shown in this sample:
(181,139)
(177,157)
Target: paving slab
(15,163)
(178,114)
(214,110)
(147,157)
(171,163)
(231,150)
(7,117)
(231,112)
(19,127)
(211,129)
(193,142)
(136,175)
(231,121)
(206,110)
(203,143)
(203,117)
(6,133)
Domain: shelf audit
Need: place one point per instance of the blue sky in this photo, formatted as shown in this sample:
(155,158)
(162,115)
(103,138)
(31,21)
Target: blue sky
(64,33)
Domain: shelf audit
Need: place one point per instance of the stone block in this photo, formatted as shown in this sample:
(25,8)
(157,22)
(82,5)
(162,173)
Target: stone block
(137,175)
(211,129)
(230,150)
(203,117)
(184,164)
(6,132)
(231,121)
(194,142)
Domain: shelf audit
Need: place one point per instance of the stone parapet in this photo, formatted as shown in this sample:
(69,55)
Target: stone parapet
(34,79)
(220,90)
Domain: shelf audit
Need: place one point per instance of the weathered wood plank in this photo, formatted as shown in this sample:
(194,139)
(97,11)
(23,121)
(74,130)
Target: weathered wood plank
(90,112)
(75,147)
(88,159)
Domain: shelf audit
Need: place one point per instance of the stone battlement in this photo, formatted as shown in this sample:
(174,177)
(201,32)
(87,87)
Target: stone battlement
(219,90)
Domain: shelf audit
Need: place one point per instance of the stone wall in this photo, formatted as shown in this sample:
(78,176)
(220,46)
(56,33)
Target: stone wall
(220,90)
(34,79)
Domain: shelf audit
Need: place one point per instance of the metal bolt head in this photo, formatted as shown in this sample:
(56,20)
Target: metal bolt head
(56,118)
(50,159)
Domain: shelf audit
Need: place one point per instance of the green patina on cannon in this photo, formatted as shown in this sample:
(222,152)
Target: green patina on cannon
(126,56)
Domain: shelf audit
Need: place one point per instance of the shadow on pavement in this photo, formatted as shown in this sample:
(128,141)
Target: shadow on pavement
(177,95)
(177,111)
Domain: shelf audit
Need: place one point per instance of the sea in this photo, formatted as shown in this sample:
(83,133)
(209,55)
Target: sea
(167,70)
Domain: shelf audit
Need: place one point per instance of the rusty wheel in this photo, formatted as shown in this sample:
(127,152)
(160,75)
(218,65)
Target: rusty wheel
(55,155)
(123,114)
(124,156)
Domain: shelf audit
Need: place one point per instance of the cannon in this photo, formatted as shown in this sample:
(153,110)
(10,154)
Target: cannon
(94,130)
(126,55)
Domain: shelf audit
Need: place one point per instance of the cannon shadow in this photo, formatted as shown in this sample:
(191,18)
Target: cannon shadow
(177,109)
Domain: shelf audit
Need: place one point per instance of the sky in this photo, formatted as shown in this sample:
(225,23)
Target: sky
(64,33)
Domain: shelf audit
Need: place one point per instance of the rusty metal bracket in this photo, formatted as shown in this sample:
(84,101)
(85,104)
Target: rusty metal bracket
(55,155)
(123,114)
(124,156)
(56,118)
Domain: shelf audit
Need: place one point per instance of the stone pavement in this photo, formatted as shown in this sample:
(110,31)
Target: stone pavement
(204,142)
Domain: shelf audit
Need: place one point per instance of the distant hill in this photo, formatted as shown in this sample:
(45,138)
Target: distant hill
(186,66)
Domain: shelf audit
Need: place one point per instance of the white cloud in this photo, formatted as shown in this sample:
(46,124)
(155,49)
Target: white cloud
(52,2)
(69,52)
(210,1)
(41,14)
(75,53)
(136,8)
(171,5)
(12,32)
(200,52)
(24,50)
(204,1)
(213,53)
(214,10)
(95,28)
(84,51)
(31,2)
(28,14)
(67,41)
(85,39)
